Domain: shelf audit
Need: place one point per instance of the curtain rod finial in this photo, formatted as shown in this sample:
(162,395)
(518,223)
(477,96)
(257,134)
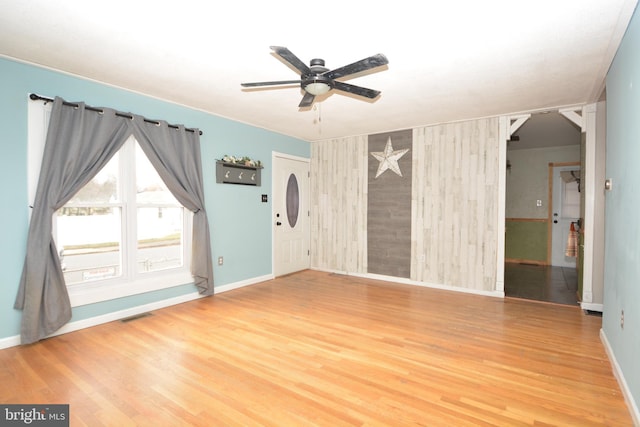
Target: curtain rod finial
(36,97)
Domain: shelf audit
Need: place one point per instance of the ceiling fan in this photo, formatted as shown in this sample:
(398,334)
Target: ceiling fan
(318,80)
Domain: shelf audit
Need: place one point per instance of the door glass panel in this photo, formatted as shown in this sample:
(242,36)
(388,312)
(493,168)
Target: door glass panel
(293,200)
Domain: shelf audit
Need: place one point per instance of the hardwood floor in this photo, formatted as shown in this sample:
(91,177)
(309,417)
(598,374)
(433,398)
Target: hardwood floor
(314,348)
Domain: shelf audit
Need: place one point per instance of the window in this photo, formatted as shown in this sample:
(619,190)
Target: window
(124,233)
(571,198)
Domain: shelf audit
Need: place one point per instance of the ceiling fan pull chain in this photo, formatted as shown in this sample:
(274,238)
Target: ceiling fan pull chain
(318,119)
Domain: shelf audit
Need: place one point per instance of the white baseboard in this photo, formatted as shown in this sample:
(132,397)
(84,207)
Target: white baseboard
(9,342)
(242,283)
(122,314)
(591,306)
(617,372)
(497,294)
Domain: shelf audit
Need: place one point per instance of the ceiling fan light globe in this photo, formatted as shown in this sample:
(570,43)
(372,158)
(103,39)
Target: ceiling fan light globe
(317,88)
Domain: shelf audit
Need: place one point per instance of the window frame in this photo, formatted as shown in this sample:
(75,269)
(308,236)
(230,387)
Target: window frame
(130,282)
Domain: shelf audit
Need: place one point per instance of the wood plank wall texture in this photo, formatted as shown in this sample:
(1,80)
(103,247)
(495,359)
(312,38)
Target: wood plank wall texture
(454,204)
(339,205)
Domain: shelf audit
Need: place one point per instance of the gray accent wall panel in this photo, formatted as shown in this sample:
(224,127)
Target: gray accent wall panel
(389,206)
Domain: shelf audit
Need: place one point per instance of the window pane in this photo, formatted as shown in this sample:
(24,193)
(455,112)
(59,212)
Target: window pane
(159,238)
(570,200)
(150,188)
(103,188)
(89,243)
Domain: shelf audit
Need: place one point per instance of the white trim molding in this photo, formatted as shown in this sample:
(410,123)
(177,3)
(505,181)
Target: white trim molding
(242,283)
(590,188)
(507,126)
(574,115)
(590,306)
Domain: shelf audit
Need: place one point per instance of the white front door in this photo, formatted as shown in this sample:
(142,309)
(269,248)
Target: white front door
(565,210)
(290,214)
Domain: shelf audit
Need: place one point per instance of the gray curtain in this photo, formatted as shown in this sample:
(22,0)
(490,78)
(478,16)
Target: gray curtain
(175,154)
(80,142)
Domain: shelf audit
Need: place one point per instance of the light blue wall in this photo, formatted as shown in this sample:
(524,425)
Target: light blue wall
(236,214)
(622,247)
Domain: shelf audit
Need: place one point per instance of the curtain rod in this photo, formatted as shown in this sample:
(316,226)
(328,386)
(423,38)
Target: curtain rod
(36,97)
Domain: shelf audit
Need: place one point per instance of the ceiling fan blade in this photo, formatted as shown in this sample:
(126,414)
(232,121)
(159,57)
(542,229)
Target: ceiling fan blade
(362,65)
(282,82)
(286,54)
(307,100)
(356,90)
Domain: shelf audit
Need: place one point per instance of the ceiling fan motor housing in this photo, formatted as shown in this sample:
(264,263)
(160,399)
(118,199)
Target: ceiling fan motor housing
(317,68)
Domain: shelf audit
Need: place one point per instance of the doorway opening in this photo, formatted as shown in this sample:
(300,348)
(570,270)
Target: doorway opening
(532,205)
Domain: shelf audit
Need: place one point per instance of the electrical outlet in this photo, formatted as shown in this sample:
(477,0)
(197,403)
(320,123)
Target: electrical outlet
(220,260)
(621,319)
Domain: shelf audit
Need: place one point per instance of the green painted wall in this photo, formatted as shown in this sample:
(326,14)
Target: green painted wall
(236,213)
(526,240)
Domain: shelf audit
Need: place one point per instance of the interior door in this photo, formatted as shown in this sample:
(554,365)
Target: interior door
(565,210)
(290,214)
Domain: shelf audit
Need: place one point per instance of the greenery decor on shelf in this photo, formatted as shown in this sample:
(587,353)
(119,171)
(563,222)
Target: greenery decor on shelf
(238,170)
(244,161)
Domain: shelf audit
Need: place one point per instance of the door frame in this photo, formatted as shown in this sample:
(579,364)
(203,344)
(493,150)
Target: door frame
(585,117)
(274,174)
(507,125)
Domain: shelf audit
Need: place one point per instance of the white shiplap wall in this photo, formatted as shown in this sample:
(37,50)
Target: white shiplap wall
(454,204)
(339,205)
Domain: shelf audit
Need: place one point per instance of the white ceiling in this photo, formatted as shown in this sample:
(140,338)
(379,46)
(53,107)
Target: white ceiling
(448,60)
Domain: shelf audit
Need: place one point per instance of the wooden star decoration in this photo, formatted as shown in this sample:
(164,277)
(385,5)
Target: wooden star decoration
(388,159)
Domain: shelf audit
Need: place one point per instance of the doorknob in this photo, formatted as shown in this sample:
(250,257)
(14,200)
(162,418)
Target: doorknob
(278,223)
